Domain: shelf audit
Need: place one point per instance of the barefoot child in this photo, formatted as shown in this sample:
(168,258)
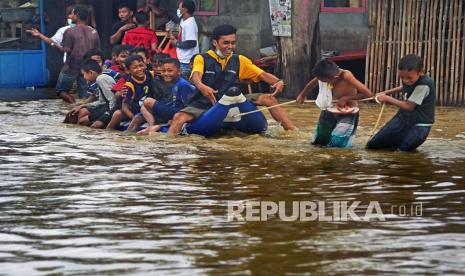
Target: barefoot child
(337,124)
(410,127)
(137,88)
(157,111)
(95,113)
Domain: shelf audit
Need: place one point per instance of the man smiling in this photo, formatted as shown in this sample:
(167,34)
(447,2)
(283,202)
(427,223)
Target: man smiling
(216,71)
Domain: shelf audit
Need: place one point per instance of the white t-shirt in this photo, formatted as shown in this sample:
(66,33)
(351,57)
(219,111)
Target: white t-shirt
(58,37)
(188,31)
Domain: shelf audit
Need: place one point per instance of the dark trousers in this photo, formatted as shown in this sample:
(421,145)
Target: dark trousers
(399,134)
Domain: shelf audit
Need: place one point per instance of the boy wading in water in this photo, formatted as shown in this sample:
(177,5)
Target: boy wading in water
(410,127)
(338,123)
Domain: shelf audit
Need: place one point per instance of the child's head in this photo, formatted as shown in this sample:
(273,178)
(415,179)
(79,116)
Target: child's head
(123,53)
(90,69)
(410,69)
(143,53)
(95,54)
(114,53)
(171,70)
(142,18)
(326,70)
(157,62)
(136,66)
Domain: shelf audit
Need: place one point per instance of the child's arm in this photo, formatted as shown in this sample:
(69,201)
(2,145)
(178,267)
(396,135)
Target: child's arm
(309,87)
(405,105)
(392,91)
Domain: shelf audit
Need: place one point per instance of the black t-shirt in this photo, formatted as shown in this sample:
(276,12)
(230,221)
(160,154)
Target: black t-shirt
(115,29)
(423,93)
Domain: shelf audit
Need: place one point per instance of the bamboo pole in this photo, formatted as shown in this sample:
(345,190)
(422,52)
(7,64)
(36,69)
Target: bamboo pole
(433,56)
(456,51)
(462,62)
(377,45)
(453,48)
(421,37)
(382,45)
(450,29)
(409,27)
(439,52)
(387,83)
(396,46)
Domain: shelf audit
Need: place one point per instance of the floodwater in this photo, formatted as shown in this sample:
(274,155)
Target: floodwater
(77,201)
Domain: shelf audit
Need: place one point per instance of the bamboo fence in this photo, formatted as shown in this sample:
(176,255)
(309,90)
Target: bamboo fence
(432,29)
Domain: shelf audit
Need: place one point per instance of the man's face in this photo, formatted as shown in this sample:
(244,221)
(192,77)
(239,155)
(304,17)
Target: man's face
(170,72)
(226,44)
(125,14)
(73,17)
(137,69)
(409,77)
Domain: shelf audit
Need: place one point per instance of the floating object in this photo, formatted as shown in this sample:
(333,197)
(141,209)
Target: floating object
(223,117)
(343,110)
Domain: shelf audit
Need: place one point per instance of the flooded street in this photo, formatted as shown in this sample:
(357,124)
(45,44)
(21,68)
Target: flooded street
(77,201)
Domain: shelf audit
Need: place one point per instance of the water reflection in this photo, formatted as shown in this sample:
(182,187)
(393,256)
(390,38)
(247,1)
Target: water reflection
(78,201)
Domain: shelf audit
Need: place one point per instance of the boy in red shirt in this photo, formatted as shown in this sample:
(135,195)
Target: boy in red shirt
(142,36)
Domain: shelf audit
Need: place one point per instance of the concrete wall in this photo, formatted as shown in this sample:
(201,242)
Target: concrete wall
(250,17)
(344,31)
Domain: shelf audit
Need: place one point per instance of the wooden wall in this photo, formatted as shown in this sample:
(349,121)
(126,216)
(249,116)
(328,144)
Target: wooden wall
(432,29)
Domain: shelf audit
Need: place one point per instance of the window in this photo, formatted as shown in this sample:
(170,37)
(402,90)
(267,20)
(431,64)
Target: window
(343,6)
(17,17)
(206,7)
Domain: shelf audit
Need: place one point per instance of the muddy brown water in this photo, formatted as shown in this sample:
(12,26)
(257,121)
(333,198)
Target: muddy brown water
(76,201)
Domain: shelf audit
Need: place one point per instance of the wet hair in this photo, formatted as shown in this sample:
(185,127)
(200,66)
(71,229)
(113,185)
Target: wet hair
(81,13)
(140,50)
(325,68)
(131,59)
(94,52)
(172,61)
(411,63)
(125,6)
(91,65)
(223,30)
(189,5)
(159,58)
(124,48)
(142,18)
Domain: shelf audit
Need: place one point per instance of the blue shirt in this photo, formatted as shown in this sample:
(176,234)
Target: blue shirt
(182,93)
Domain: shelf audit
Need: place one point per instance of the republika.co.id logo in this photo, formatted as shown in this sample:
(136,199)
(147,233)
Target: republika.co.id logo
(334,211)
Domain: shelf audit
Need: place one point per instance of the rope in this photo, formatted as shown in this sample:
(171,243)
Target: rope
(379,119)
(286,103)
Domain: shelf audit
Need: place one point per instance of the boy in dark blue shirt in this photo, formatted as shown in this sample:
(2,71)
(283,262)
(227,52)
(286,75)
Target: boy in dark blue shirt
(159,112)
(410,127)
(138,87)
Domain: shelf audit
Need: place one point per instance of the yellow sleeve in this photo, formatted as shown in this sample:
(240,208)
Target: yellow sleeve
(199,65)
(248,70)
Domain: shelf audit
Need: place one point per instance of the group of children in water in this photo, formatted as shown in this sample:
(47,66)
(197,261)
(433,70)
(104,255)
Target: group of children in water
(131,87)
(136,88)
